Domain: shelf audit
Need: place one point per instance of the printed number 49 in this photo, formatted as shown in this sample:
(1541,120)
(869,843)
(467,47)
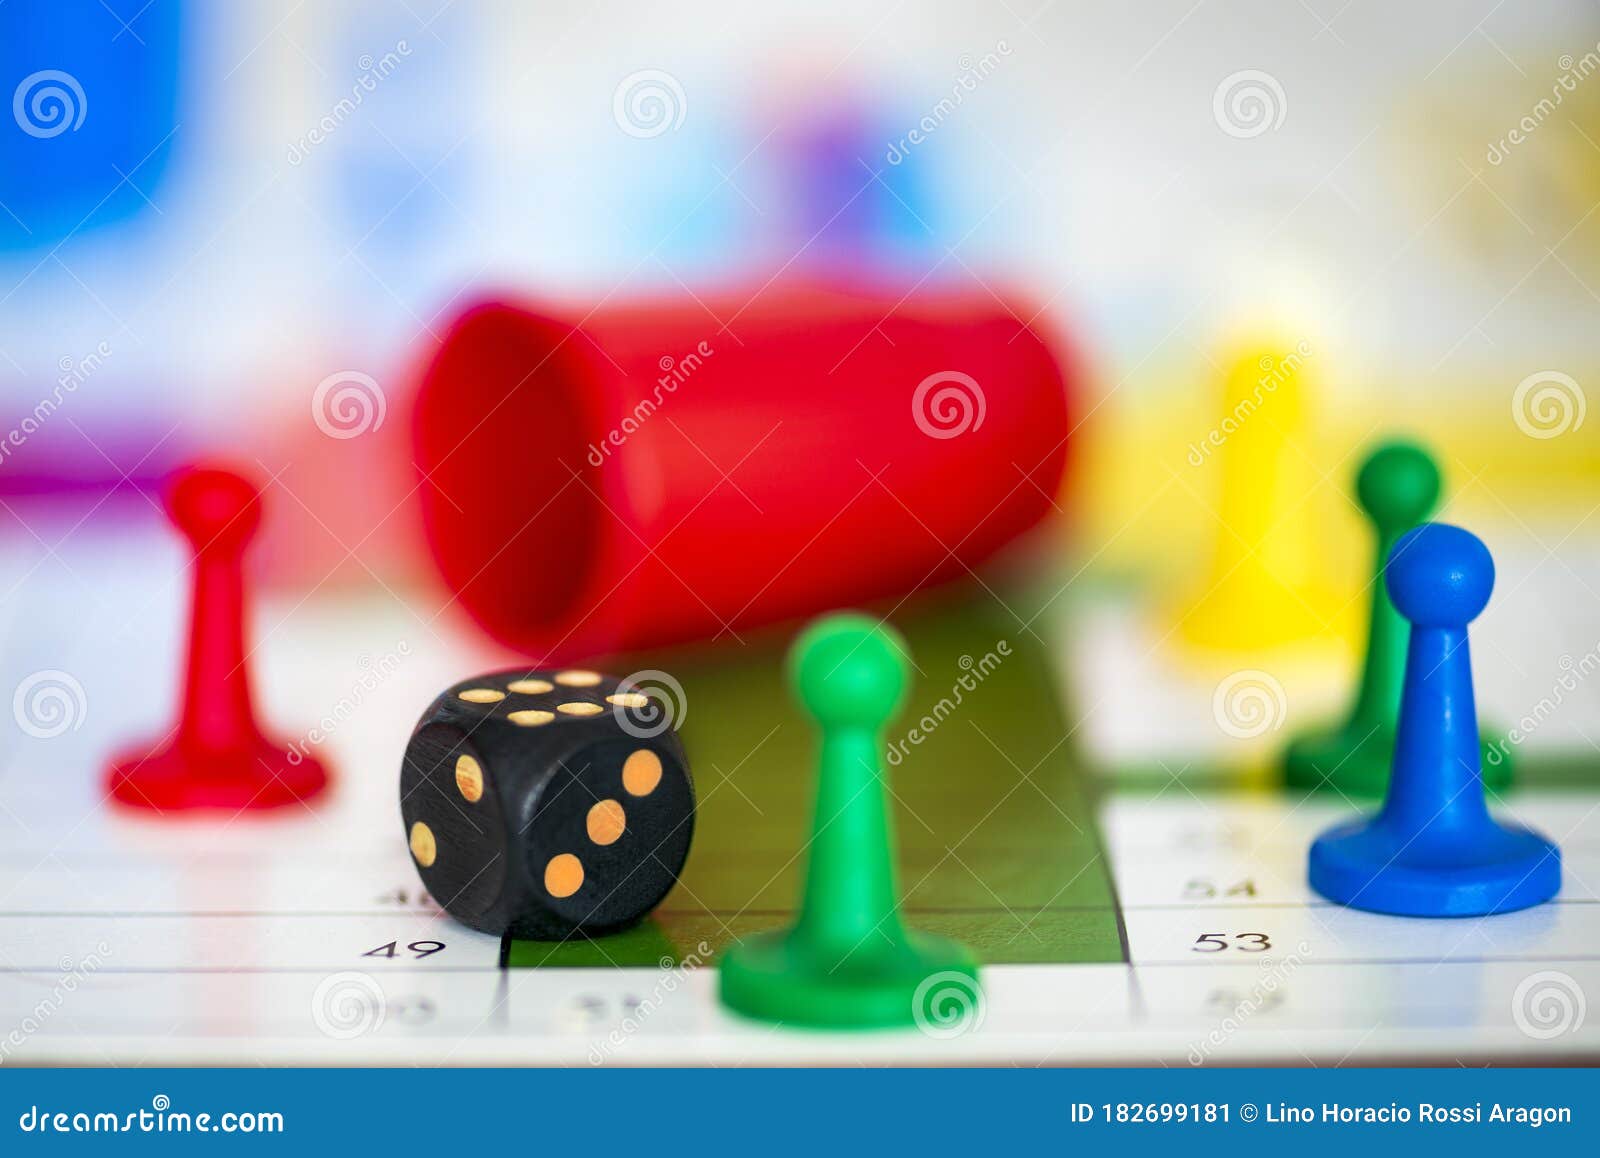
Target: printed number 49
(418,949)
(1244,942)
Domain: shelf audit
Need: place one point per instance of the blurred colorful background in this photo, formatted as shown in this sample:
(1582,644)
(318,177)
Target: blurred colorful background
(241,230)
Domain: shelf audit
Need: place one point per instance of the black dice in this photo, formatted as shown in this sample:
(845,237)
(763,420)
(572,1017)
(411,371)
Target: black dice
(547,804)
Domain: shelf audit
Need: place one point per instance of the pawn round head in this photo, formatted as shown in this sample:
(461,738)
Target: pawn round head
(214,508)
(849,670)
(1398,485)
(1440,576)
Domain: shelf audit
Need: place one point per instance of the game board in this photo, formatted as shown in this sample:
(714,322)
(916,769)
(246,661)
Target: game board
(1155,916)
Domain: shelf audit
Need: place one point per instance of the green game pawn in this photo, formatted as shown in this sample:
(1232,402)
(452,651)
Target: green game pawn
(1398,487)
(848,962)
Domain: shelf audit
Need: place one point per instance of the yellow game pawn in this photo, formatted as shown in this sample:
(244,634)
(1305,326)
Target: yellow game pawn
(1262,589)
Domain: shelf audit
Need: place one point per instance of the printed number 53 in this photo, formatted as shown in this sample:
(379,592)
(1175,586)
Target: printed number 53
(1244,942)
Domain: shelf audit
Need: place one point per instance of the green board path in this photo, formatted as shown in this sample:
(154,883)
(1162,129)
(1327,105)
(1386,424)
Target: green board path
(992,810)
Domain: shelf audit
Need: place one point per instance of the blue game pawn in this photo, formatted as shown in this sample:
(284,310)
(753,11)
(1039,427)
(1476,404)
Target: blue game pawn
(1434,850)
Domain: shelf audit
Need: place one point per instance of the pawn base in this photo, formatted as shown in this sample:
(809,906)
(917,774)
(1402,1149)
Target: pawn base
(1380,868)
(927,981)
(174,778)
(1355,761)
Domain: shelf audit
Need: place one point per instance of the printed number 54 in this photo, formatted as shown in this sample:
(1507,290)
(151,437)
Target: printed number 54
(1244,942)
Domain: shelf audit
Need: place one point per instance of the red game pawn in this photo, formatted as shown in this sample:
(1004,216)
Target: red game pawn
(216,757)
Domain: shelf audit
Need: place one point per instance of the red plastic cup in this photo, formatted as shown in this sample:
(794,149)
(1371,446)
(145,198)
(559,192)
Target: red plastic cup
(652,474)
